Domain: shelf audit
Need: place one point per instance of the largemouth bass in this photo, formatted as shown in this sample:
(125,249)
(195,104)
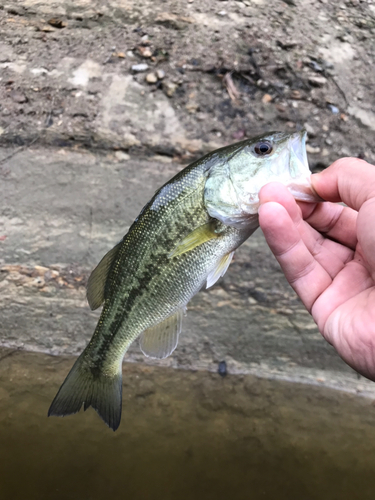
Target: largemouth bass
(182,240)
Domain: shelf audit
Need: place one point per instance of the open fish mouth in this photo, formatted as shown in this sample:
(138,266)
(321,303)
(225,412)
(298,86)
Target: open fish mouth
(300,184)
(298,157)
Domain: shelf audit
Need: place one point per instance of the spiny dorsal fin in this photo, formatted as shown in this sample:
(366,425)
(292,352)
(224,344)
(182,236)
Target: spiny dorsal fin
(161,340)
(220,269)
(197,237)
(98,278)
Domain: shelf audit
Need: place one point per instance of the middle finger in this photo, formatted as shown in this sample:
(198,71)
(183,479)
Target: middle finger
(331,255)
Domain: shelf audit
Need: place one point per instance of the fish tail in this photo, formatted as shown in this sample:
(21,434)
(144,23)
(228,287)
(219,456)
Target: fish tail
(92,387)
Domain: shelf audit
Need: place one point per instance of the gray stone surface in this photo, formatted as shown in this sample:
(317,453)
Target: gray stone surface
(62,210)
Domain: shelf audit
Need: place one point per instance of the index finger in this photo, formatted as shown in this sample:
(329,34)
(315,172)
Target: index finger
(349,180)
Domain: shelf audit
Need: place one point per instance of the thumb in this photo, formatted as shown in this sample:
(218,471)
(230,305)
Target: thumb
(348,180)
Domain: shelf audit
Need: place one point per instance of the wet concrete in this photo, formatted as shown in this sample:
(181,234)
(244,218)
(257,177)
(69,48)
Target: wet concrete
(186,435)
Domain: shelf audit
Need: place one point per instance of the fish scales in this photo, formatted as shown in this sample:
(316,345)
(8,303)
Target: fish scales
(183,239)
(154,293)
(144,257)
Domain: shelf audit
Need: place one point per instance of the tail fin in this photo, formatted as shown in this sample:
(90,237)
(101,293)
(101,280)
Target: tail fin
(90,387)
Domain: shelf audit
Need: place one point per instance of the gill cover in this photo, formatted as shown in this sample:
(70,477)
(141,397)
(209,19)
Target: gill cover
(232,188)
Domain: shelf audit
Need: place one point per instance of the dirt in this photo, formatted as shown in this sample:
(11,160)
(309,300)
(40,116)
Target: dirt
(232,69)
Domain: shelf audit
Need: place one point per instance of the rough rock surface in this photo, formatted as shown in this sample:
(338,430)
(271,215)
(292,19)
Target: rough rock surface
(232,69)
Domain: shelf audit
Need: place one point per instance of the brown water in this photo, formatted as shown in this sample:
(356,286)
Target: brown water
(183,435)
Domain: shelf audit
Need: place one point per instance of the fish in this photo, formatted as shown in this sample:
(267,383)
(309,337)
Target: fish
(183,239)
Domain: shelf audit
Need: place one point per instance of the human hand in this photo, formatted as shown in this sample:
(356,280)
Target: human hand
(327,253)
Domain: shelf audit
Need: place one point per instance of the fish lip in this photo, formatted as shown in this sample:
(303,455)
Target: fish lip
(297,146)
(300,186)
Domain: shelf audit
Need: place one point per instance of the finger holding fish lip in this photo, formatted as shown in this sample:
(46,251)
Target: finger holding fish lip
(304,273)
(348,180)
(277,192)
(319,291)
(330,254)
(333,220)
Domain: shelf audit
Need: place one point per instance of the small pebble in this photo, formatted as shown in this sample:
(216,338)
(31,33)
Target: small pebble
(287,44)
(160,73)
(312,150)
(262,84)
(201,116)
(267,98)
(317,81)
(169,88)
(145,51)
(19,97)
(138,68)
(192,107)
(121,156)
(315,66)
(295,94)
(151,78)
(334,109)
(310,130)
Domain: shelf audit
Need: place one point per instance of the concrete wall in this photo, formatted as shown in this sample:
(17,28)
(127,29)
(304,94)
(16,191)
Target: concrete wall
(62,210)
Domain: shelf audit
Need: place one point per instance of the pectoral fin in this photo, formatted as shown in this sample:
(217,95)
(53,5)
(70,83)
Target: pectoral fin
(220,269)
(197,237)
(161,340)
(98,278)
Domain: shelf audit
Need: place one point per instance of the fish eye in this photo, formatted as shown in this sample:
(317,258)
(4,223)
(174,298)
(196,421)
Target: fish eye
(263,148)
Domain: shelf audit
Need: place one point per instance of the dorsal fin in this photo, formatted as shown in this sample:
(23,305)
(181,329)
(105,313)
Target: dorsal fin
(159,341)
(98,278)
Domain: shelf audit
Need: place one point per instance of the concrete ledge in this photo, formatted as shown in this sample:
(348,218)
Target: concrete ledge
(61,211)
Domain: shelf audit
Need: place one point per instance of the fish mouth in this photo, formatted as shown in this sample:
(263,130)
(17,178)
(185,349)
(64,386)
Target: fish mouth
(298,163)
(300,185)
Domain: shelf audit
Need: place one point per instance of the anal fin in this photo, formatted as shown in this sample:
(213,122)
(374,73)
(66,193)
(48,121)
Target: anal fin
(159,341)
(220,269)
